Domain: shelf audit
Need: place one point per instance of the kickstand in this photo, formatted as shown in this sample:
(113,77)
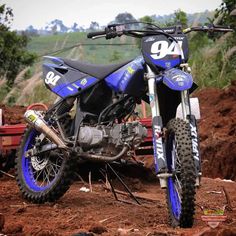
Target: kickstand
(109,167)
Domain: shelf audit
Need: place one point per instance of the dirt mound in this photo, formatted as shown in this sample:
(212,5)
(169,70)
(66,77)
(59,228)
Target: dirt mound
(13,115)
(218,131)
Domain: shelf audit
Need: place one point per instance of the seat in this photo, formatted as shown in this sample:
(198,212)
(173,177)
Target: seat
(98,71)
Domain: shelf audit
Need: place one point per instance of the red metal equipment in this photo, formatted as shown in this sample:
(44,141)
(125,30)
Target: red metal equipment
(10,136)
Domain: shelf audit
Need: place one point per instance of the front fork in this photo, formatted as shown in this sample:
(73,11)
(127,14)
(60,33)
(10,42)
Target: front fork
(157,129)
(188,117)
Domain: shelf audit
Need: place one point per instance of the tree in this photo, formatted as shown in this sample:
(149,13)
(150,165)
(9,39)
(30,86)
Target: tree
(13,54)
(94,26)
(74,27)
(31,31)
(181,18)
(124,18)
(6,17)
(222,16)
(147,19)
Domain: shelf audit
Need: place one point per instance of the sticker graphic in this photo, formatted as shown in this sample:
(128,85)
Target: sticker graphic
(162,48)
(130,70)
(51,78)
(213,217)
(83,82)
(151,99)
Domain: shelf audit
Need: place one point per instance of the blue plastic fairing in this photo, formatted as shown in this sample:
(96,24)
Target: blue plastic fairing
(69,89)
(177,79)
(165,64)
(129,78)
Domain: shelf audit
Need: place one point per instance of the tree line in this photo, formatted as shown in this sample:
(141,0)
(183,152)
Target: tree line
(13,46)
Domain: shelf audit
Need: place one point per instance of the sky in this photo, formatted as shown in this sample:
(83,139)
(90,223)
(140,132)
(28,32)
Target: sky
(40,12)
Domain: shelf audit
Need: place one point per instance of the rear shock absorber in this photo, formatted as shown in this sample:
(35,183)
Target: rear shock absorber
(65,106)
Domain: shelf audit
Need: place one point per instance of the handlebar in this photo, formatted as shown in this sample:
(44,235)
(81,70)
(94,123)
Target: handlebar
(114,30)
(209,28)
(95,34)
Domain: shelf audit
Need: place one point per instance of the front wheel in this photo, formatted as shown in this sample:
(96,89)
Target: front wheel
(180,162)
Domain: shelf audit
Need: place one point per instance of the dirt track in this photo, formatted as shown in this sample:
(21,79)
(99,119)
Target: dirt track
(98,212)
(83,212)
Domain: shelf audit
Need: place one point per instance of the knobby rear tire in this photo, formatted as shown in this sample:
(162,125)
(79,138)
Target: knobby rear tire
(59,185)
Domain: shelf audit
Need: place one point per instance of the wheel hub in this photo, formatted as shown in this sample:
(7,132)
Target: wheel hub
(39,163)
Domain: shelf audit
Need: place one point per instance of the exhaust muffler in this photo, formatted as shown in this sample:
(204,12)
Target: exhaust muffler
(35,120)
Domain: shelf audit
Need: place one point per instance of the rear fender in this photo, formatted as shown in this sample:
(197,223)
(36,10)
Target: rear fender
(64,80)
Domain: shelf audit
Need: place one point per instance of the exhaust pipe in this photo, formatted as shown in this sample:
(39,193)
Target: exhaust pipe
(98,158)
(35,120)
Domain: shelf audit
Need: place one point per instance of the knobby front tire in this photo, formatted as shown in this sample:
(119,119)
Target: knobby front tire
(181,186)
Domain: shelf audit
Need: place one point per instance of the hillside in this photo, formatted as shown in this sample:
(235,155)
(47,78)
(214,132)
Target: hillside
(89,50)
(212,61)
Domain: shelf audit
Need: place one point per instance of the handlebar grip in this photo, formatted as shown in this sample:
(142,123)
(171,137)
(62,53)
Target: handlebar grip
(219,28)
(93,34)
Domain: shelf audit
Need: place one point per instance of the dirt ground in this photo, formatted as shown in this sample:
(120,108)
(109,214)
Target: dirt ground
(218,131)
(99,213)
(13,115)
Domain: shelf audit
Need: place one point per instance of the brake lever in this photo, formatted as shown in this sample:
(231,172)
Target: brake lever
(99,36)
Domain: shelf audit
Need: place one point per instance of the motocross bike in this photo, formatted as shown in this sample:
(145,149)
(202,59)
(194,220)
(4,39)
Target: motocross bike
(104,97)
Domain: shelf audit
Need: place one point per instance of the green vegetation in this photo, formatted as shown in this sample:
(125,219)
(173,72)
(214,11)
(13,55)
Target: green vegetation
(213,58)
(5,89)
(92,51)
(13,54)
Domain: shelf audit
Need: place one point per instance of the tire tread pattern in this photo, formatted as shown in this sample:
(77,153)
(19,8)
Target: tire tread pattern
(182,133)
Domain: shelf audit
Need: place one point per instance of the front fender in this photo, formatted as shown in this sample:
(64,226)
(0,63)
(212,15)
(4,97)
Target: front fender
(177,79)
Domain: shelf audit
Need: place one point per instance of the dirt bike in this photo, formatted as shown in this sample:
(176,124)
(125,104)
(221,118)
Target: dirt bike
(105,96)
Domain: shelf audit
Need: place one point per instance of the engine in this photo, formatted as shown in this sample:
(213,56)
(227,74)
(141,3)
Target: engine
(111,139)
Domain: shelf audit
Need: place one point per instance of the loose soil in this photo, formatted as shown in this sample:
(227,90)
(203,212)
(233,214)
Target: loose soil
(218,131)
(99,213)
(13,115)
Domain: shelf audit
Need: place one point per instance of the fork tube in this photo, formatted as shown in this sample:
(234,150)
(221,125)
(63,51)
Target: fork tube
(185,104)
(153,93)
(157,126)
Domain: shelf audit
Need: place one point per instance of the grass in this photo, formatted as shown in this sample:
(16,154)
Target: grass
(4,91)
(209,66)
(103,54)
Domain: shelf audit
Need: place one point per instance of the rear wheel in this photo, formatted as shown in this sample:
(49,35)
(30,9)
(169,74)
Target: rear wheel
(180,162)
(43,177)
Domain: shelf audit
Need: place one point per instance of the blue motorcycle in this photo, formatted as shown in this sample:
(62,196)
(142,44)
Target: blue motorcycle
(105,96)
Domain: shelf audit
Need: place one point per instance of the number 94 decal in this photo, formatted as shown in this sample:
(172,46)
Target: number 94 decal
(162,48)
(51,78)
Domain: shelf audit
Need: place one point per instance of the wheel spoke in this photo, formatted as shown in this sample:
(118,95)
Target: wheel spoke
(47,172)
(56,165)
(54,171)
(39,173)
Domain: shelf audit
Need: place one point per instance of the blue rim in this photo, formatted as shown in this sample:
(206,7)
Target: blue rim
(27,169)
(174,199)
(173,194)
